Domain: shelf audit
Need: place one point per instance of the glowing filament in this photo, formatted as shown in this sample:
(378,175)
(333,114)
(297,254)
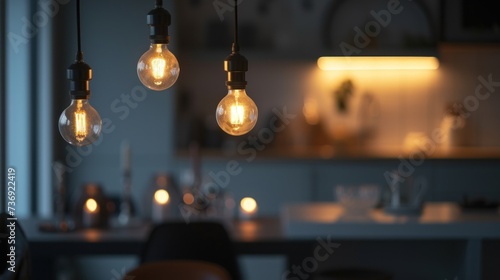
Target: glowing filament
(237,114)
(158,67)
(80,123)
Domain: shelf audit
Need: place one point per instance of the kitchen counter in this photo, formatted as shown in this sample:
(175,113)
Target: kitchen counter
(438,220)
(439,224)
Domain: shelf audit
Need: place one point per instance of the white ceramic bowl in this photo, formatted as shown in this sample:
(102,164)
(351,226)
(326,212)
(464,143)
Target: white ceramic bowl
(357,198)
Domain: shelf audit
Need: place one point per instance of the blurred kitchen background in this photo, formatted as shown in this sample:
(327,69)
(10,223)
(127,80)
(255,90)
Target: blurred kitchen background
(348,127)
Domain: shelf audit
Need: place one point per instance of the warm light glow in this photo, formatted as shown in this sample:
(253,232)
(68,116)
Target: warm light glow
(158,69)
(378,63)
(91,205)
(310,111)
(161,196)
(248,205)
(80,123)
(158,65)
(236,113)
(188,198)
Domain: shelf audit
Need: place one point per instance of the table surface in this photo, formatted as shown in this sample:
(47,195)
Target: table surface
(437,220)
(261,229)
(298,227)
(255,236)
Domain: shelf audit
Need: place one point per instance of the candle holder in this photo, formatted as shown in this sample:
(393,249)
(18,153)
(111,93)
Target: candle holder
(126,208)
(248,208)
(91,208)
(162,198)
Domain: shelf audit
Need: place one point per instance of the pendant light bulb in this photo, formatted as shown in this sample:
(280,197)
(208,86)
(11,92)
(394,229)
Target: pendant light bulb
(80,124)
(236,113)
(158,68)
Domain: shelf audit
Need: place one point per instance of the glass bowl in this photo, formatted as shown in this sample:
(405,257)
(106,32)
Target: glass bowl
(357,199)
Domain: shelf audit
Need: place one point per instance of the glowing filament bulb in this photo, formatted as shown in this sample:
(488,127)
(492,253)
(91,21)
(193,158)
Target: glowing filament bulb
(158,68)
(80,124)
(236,113)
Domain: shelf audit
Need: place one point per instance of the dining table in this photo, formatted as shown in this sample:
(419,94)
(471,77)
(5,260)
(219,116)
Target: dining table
(471,239)
(256,236)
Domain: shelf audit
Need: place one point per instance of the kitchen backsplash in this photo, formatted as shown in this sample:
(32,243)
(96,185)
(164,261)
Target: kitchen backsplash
(387,108)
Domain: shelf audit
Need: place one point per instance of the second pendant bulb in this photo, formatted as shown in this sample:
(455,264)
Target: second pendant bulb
(158,69)
(236,113)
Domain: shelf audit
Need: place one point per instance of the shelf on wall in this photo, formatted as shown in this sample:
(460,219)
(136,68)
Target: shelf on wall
(329,153)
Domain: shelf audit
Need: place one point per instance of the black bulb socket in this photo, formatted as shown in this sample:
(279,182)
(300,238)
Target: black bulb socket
(236,65)
(79,75)
(159,20)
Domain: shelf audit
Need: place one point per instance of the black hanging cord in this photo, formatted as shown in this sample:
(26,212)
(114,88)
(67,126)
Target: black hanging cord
(159,3)
(79,73)
(236,64)
(79,55)
(236,46)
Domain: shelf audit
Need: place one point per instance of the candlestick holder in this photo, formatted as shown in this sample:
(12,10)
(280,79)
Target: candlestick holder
(125,208)
(91,208)
(162,198)
(248,208)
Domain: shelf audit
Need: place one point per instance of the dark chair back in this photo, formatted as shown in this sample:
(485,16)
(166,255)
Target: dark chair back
(205,241)
(178,270)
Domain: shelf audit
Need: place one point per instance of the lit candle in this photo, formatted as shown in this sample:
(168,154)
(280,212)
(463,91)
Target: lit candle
(160,203)
(248,208)
(188,198)
(91,213)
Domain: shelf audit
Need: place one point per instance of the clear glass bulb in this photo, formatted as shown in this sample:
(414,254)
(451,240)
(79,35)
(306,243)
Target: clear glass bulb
(158,68)
(236,113)
(80,124)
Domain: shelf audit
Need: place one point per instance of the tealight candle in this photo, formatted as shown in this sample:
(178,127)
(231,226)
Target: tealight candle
(160,203)
(248,208)
(91,213)
(188,198)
